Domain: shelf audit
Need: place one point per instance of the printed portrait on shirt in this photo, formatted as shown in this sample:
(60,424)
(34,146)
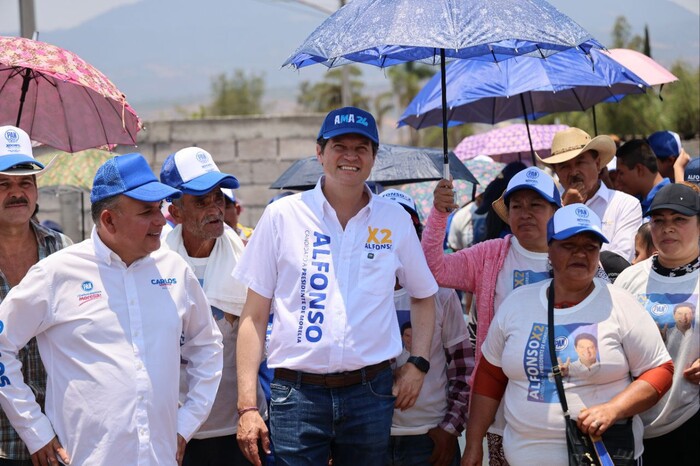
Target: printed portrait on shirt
(676,315)
(576,345)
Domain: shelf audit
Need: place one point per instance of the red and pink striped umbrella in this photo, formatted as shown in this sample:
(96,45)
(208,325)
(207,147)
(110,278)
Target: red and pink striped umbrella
(61,100)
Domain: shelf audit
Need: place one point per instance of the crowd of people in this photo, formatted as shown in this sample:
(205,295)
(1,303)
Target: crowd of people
(341,330)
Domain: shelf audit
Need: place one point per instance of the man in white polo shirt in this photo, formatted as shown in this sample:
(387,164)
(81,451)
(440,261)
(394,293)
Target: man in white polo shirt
(327,259)
(212,252)
(109,315)
(577,160)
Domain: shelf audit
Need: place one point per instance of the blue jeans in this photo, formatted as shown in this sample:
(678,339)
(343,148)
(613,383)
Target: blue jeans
(310,423)
(413,450)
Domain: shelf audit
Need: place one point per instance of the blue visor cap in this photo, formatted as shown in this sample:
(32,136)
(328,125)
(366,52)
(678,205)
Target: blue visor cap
(571,220)
(130,175)
(8,162)
(536,180)
(193,171)
(349,120)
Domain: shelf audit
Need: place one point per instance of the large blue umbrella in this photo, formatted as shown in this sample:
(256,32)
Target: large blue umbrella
(487,92)
(389,32)
(483,92)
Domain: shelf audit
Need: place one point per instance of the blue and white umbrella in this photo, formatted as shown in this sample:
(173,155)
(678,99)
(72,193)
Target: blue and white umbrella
(524,87)
(388,32)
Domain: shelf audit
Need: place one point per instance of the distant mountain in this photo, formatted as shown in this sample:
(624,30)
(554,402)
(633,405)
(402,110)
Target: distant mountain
(164,52)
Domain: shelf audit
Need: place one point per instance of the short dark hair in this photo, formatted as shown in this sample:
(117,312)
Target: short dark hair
(406,325)
(690,306)
(644,233)
(323,141)
(108,203)
(585,336)
(637,151)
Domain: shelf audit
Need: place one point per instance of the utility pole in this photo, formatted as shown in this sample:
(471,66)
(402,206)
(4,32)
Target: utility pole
(27,18)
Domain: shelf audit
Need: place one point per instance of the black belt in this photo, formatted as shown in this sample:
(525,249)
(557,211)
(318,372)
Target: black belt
(335,380)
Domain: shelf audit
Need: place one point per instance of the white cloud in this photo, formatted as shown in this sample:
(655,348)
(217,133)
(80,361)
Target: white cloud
(52,15)
(691,5)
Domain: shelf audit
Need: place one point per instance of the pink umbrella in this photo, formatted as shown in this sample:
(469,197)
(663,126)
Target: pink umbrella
(509,143)
(643,66)
(59,99)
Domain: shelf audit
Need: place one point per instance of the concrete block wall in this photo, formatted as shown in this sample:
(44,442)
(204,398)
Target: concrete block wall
(255,149)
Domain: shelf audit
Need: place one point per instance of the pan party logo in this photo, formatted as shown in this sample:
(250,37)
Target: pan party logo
(11,135)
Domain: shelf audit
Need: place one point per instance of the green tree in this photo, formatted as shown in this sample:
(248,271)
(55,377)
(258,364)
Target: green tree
(406,81)
(239,94)
(326,95)
(622,36)
(683,99)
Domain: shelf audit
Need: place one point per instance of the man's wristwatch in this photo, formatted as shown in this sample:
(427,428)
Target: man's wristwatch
(422,364)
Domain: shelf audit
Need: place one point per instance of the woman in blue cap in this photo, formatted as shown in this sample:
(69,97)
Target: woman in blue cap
(601,339)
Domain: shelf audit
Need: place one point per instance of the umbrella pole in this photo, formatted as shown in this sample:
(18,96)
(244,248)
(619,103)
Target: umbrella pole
(527,126)
(443,83)
(25,88)
(595,122)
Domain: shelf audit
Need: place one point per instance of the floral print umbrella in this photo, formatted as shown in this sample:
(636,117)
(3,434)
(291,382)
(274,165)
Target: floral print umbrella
(61,100)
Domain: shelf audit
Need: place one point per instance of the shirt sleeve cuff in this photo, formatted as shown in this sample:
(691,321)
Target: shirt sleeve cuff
(187,424)
(38,435)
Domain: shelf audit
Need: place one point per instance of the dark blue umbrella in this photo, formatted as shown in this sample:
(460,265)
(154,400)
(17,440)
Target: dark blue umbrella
(389,32)
(524,87)
(394,165)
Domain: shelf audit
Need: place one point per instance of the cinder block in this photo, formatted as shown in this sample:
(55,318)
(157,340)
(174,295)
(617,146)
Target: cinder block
(268,171)
(296,148)
(256,149)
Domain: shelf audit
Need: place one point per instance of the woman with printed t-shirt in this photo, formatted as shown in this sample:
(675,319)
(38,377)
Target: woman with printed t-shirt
(603,339)
(493,269)
(667,286)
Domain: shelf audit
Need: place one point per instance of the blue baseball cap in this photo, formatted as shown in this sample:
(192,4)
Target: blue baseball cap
(349,120)
(130,175)
(192,170)
(531,178)
(571,220)
(665,144)
(692,171)
(16,156)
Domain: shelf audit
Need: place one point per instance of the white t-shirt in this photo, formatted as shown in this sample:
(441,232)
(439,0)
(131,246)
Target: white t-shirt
(520,267)
(333,288)
(223,418)
(660,296)
(450,329)
(627,342)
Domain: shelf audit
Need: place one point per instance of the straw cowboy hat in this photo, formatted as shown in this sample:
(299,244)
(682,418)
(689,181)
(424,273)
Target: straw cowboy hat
(571,142)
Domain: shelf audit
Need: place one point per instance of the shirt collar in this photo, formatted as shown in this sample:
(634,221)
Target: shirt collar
(604,193)
(325,207)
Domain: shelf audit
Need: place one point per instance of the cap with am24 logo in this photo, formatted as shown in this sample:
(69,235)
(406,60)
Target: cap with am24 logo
(349,120)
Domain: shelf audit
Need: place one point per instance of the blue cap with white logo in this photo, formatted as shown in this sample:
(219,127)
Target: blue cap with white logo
(130,175)
(192,170)
(349,120)
(533,179)
(16,157)
(665,144)
(571,220)
(692,171)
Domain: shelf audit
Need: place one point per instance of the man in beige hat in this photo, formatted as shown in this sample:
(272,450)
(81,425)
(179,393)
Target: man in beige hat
(577,160)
